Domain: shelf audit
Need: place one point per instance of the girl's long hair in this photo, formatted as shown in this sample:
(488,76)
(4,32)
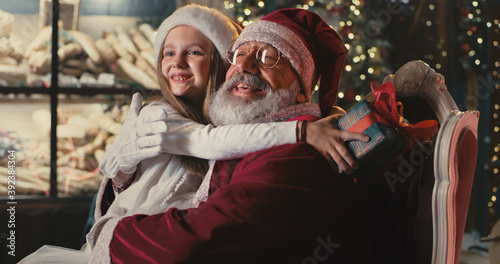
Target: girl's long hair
(216,77)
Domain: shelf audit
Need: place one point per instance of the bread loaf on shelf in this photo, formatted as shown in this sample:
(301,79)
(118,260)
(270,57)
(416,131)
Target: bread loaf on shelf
(148,32)
(126,41)
(12,73)
(140,41)
(137,74)
(7,60)
(69,50)
(122,52)
(41,41)
(88,45)
(75,64)
(40,62)
(106,50)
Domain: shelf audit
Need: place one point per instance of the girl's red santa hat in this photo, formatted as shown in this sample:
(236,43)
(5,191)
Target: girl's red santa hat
(314,49)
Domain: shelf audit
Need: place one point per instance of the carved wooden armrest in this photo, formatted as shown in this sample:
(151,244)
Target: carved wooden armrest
(417,78)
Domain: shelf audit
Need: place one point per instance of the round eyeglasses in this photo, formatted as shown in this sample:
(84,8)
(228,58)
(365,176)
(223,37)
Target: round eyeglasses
(267,55)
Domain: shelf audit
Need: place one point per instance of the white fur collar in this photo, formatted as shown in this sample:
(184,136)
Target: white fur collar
(291,112)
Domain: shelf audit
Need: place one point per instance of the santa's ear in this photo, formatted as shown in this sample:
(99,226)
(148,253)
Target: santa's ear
(301,97)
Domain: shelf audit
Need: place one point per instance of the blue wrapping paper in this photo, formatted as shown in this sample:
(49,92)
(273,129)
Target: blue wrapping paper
(385,141)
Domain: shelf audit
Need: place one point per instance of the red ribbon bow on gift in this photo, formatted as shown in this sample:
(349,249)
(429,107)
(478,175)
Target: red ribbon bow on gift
(387,107)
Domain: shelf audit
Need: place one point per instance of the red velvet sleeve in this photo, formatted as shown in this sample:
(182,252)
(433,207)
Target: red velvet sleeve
(282,205)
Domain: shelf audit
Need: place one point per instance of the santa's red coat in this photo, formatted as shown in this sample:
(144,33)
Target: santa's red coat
(280,205)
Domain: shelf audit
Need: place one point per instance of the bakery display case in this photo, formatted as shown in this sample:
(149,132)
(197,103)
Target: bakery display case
(64,92)
(103,54)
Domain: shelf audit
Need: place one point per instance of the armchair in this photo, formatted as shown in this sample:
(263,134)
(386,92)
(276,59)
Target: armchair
(441,192)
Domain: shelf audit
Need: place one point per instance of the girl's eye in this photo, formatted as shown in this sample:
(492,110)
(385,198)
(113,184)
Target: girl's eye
(168,54)
(194,52)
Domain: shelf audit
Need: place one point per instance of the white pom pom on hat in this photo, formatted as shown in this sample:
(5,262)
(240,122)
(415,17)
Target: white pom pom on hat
(212,23)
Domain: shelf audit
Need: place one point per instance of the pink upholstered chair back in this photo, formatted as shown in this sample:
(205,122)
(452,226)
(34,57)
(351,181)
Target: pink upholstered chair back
(454,161)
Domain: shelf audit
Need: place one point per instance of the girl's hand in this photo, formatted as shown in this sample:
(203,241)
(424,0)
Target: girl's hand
(325,137)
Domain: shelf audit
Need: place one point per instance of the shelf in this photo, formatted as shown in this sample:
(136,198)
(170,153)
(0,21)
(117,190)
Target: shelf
(79,91)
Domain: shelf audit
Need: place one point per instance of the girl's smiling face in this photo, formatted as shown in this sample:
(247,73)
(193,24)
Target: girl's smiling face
(186,63)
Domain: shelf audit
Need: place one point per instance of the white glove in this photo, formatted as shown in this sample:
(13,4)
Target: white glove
(151,132)
(124,153)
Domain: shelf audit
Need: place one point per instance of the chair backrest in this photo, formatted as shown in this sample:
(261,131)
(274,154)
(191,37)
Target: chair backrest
(454,156)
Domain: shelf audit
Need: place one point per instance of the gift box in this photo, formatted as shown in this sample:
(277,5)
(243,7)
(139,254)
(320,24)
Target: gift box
(385,140)
(391,137)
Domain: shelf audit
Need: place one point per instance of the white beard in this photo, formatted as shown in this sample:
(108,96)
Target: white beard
(227,109)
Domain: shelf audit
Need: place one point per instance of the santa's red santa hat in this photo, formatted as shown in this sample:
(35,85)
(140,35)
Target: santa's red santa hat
(314,49)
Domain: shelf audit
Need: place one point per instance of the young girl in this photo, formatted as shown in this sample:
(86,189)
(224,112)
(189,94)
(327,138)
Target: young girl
(190,49)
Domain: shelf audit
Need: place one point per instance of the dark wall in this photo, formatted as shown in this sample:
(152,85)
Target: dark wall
(140,8)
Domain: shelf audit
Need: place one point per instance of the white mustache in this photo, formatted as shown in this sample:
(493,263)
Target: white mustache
(249,79)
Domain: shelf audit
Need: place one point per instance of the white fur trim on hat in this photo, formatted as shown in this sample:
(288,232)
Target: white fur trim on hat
(287,43)
(212,23)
